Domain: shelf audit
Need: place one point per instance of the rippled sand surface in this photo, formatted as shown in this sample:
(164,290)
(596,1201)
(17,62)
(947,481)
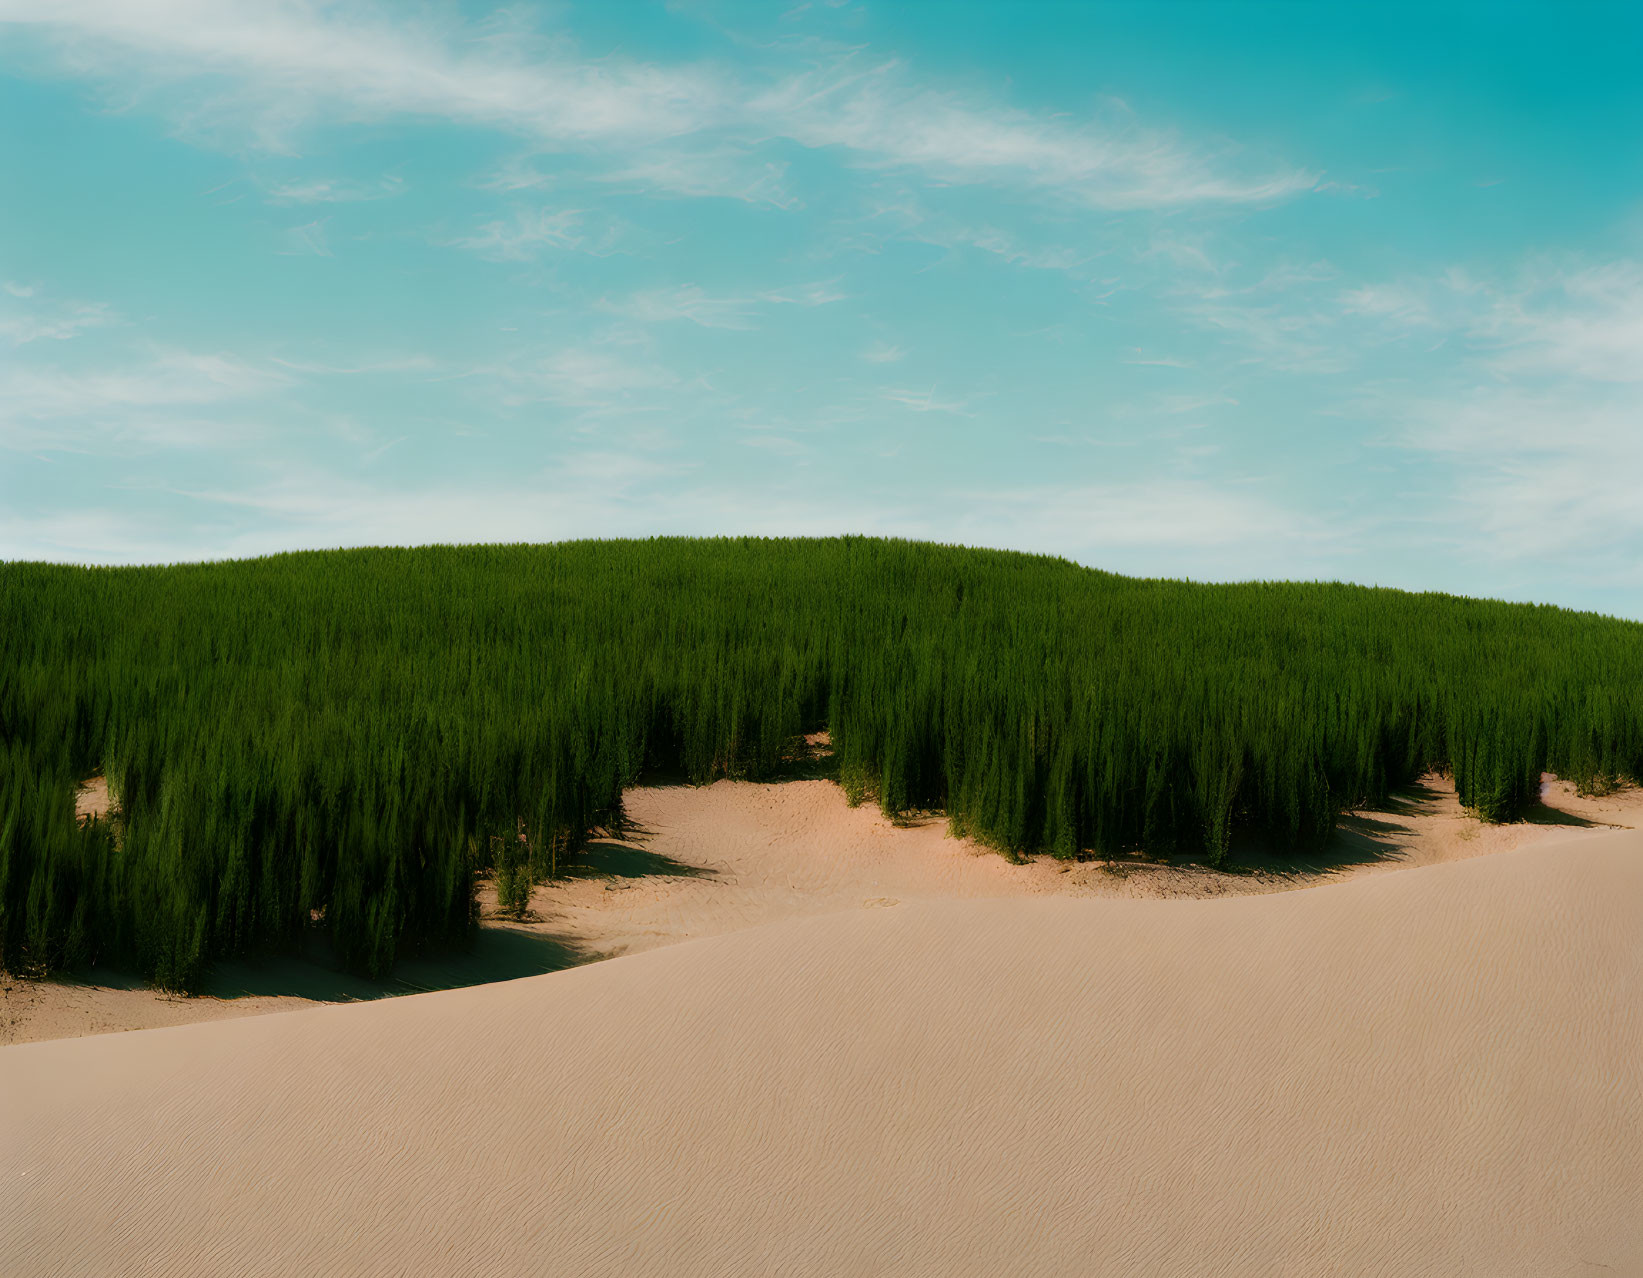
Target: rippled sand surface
(1434,1071)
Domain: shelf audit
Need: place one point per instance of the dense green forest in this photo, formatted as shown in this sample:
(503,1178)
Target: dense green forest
(345,739)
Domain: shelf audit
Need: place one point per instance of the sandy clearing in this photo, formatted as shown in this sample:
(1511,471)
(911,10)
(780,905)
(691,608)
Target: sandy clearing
(715,859)
(1435,1072)
(703,861)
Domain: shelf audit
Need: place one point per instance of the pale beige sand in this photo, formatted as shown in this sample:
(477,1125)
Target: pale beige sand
(1433,1072)
(93,799)
(705,861)
(34,1010)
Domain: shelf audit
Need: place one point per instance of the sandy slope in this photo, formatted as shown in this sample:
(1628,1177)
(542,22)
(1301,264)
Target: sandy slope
(1431,1072)
(709,860)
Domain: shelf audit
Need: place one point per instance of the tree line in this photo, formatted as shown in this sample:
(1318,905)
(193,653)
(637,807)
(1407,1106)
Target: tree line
(346,739)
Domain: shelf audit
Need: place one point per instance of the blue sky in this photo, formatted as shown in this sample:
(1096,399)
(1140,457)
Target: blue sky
(1206,290)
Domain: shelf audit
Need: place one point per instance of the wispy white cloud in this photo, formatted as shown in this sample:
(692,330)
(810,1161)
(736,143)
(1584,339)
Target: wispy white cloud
(27,319)
(529,232)
(274,66)
(307,240)
(334,191)
(396,364)
(1534,430)
(595,377)
(1576,320)
(1012,247)
(687,302)
(924,401)
(770,442)
(46,407)
(270,68)
(883,353)
(1510,398)
(881,115)
(1274,334)
(1286,275)
(518,173)
(1536,476)
(1142,359)
(819,293)
(690,302)
(1176,405)
(167,377)
(1181,252)
(1565,318)
(1392,302)
(732,172)
(903,216)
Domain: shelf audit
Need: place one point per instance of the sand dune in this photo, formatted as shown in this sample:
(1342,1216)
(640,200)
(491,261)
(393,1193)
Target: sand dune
(1431,1072)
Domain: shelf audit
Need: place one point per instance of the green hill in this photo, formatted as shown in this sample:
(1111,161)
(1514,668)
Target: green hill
(346,738)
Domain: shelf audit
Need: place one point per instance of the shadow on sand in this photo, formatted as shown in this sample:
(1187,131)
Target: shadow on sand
(1359,839)
(608,859)
(1540,814)
(501,950)
(498,953)
(1413,800)
(1366,837)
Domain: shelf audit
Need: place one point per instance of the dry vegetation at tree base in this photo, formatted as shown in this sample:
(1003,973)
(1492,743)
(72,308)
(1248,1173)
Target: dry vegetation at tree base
(345,740)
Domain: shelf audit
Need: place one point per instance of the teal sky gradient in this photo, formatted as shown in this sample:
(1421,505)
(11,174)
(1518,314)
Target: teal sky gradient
(1209,290)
